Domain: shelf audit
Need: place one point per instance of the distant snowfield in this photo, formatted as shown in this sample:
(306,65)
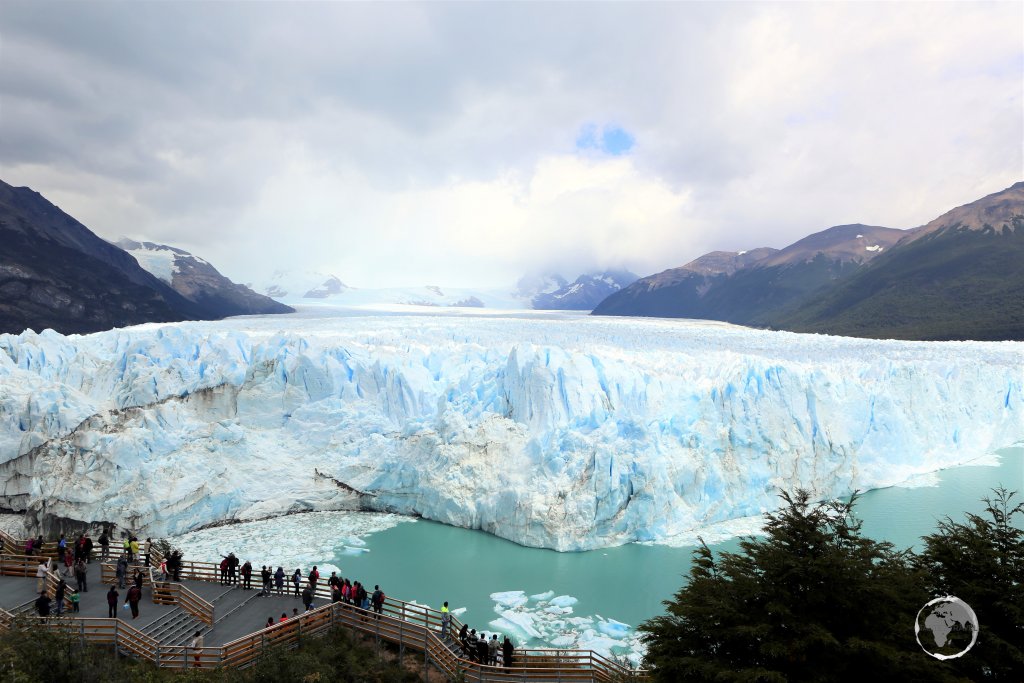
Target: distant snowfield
(550,429)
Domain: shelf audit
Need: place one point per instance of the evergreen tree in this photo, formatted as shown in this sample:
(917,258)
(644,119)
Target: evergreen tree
(982,563)
(812,601)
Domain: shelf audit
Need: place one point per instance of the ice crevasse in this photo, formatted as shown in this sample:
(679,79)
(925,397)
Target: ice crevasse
(566,434)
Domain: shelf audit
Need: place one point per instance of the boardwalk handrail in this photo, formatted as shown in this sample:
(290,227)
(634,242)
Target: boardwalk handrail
(405,623)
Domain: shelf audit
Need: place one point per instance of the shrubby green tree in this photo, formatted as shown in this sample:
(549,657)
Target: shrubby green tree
(813,600)
(981,561)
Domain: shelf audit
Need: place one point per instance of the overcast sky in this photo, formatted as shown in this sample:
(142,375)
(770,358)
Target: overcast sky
(469,144)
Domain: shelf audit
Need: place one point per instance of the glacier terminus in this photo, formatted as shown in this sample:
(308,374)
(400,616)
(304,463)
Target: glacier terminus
(557,431)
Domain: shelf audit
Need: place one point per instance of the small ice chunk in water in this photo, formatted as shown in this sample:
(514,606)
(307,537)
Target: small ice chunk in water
(564,601)
(547,595)
(510,598)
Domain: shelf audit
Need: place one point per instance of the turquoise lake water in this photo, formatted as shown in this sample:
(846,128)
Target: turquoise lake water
(430,562)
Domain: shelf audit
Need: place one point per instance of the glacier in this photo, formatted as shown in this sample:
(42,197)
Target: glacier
(557,431)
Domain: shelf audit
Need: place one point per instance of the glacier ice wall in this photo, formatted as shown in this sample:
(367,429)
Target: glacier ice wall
(562,433)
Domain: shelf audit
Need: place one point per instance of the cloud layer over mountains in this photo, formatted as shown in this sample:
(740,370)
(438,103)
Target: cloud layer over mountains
(458,144)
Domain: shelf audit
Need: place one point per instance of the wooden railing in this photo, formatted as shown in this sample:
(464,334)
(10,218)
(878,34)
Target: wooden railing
(405,624)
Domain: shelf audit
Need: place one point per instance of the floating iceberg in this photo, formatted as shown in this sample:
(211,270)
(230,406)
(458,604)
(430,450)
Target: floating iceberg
(562,433)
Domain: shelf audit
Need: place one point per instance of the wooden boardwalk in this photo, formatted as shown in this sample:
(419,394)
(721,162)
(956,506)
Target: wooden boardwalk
(232,621)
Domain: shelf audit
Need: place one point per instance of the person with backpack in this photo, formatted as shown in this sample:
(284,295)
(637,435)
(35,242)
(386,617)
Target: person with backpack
(492,650)
(307,597)
(361,598)
(265,577)
(378,600)
(87,549)
(224,570)
(197,647)
(127,547)
(314,576)
(246,572)
(297,581)
(279,580)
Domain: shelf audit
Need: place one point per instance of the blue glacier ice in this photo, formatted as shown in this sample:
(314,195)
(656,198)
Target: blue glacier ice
(552,431)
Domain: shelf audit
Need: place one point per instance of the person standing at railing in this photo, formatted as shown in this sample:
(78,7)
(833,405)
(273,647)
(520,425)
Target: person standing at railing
(87,547)
(279,580)
(446,620)
(247,575)
(197,647)
(224,570)
(41,572)
(507,652)
(62,545)
(492,650)
(297,581)
(58,595)
(163,569)
(314,576)
(133,544)
(104,544)
(149,550)
(30,544)
(112,596)
(126,546)
(378,600)
(265,582)
(81,576)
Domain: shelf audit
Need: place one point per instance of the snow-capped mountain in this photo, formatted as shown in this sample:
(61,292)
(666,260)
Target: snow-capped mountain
(585,292)
(566,434)
(197,280)
(56,273)
(304,287)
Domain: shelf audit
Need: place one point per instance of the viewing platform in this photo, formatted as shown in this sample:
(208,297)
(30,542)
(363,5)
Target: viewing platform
(233,620)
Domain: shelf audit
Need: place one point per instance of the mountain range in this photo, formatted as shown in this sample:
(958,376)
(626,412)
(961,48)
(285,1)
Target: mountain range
(56,273)
(961,276)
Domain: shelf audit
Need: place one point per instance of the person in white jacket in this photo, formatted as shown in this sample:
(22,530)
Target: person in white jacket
(41,571)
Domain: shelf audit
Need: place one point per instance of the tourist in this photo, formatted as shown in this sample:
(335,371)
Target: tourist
(149,549)
(314,576)
(41,571)
(279,580)
(104,544)
(378,600)
(232,568)
(163,569)
(224,570)
(112,596)
(127,547)
(69,563)
(122,570)
(43,605)
(472,641)
(74,600)
(361,596)
(62,545)
(295,613)
(335,593)
(446,620)
(506,652)
(81,575)
(297,581)
(139,578)
(37,546)
(270,622)
(464,638)
(197,647)
(133,543)
(482,650)
(307,597)
(30,545)
(492,650)
(284,618)
(87,548)
(175,564)
(134,597)
(265,580)
(58,597)
(247,575)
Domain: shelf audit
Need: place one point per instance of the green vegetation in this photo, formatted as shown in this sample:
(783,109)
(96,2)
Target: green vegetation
(953,284)
(816,601)
(38,656)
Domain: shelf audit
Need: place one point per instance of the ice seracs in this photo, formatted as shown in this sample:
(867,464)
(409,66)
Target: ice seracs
(567,434)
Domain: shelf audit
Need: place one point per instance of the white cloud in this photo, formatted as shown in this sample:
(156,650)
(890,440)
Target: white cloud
(412,143)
